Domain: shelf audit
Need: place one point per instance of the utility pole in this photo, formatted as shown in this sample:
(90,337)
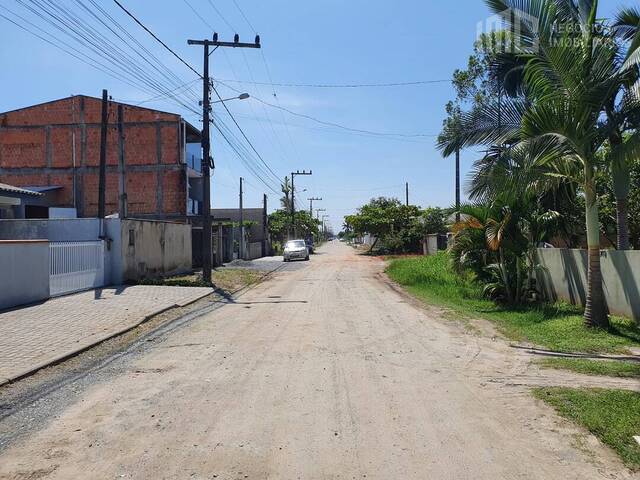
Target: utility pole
(324,227)
(241,247)
(102,179)
(406,193)
(122,181)
(206,143)
(265,219)
(318,210)
(293,197)
(311,200)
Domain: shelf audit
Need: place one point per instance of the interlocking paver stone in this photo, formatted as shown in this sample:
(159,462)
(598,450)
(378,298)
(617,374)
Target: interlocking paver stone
(34,336)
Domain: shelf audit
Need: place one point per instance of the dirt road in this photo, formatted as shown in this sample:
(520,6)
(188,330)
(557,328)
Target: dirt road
(320,373)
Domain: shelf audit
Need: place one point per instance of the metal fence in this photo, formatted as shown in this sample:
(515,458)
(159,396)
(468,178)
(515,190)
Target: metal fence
(75,266)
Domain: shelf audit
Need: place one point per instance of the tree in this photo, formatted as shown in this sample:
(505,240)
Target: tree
(389,221)
(497,240)
(285,200)
(569,79)
(621,117)
(280,225)
(609,205)
(433,220)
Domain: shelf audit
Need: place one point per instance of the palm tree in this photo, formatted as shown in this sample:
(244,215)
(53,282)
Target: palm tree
(570,79)
(627,31)
(285,200)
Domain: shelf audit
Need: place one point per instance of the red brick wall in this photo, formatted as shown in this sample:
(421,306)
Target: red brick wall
(67,110)
(27,148)
(174,193)
(141,192)
(22,148)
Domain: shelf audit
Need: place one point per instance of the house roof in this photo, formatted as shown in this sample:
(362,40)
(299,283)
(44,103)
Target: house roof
(23,191)
(44,188)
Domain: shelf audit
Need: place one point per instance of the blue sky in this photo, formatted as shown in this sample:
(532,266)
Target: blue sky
(304,42)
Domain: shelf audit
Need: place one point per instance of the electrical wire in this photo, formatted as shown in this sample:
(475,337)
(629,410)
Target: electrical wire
(157,38)
(338,85)
(331,124)
(214,89)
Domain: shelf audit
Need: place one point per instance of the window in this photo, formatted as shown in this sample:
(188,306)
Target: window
(193,156)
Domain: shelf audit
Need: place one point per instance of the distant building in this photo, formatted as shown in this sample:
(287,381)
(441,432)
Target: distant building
(15,201)
(256,232)
(54,149)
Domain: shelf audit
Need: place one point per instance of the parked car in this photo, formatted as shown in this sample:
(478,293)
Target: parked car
(296,250)
(310,246)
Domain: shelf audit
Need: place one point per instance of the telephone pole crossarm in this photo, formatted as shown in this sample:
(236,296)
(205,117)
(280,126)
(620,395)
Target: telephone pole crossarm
(311,200)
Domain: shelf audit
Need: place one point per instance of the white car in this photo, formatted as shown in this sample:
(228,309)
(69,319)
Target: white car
(296,250)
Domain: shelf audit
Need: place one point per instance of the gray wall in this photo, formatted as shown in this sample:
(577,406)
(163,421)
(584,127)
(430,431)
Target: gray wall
(72,230)
(565,278)
(158,249)
(59,230)
(255,232)
(25,272)
(254,250)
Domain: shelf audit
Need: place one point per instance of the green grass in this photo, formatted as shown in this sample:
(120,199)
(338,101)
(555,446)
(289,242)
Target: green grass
(607,368)
(557,327)
(611,415)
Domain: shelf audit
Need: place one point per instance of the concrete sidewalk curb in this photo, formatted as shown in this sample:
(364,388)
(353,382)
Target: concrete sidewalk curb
(98,340)
(87,345)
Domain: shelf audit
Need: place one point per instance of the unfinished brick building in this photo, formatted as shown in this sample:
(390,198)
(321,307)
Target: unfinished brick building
(54,148)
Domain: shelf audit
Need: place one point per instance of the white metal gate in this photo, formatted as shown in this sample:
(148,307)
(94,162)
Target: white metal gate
(75,266)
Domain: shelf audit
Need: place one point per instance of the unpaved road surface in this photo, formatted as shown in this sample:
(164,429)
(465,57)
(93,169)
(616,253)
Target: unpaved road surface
(324,372)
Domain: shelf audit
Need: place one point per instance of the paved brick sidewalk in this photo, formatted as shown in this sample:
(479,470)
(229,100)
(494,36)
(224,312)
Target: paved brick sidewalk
(36,336)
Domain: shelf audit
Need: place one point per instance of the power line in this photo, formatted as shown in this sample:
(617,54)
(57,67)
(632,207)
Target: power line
(81,31)
(157,39)
(243,15)
(221,16)
(336,130)
(194,70)
(243,134)
(332,124)
(162,95)
(343,85)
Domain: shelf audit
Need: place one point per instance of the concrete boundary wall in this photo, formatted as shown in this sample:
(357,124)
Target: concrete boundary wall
(152,249)
(24,272)
(54,230)
(564,277)
(134,250)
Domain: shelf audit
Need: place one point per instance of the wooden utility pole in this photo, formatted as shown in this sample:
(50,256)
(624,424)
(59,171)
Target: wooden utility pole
(241,245)
(311,200)
(406,193)
(102,179)
(122,179)
(206,143)
(293,197)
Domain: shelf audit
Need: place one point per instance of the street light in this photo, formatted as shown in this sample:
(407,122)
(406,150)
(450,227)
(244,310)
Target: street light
(242,96)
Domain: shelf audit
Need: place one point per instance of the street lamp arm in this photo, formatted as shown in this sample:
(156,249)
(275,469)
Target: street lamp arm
(242,96)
